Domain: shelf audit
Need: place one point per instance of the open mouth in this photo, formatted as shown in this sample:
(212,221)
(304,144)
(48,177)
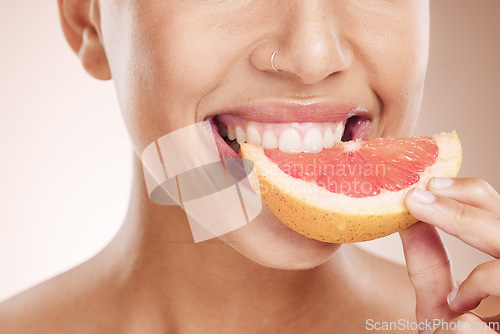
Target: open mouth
(290,137)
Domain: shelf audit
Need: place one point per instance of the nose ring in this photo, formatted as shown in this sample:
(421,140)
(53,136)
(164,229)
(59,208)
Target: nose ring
(272,60)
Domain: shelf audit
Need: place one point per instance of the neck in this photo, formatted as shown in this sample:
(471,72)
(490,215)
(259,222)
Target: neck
(164,271)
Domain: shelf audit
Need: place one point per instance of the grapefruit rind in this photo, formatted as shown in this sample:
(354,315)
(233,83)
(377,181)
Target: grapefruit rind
(317,213)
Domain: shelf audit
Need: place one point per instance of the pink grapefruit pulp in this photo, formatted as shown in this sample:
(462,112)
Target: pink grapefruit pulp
(361,169)
(353,191)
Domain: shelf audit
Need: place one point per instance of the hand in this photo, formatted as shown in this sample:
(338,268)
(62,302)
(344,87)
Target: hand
(470,210)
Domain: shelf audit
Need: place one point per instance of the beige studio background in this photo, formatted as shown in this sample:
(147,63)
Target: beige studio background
(65,157)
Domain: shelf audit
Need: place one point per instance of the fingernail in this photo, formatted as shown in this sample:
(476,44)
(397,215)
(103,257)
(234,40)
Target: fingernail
(451,296)
(423,196)
(441,182)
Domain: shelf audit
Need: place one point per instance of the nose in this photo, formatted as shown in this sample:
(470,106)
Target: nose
(312,46)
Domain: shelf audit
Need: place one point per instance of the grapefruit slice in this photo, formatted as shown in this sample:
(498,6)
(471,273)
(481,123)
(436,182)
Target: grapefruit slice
(353,191)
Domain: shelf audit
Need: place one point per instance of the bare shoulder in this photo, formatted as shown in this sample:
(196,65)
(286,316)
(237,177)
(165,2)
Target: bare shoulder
(68,303)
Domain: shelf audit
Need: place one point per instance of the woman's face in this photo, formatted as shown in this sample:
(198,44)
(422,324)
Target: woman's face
(180,62)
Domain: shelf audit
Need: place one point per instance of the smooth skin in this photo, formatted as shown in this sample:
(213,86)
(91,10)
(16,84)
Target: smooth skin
(176,62)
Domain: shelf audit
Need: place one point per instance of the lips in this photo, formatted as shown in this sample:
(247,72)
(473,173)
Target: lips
(291,127)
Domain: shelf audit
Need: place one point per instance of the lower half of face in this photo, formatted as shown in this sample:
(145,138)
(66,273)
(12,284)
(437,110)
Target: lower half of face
(270,73)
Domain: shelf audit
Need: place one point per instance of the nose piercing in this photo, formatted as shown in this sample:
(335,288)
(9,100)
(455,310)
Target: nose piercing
(272,60)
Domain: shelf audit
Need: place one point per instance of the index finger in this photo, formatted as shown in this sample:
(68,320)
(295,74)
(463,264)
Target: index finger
(475,226)
(430,272)
(472,191)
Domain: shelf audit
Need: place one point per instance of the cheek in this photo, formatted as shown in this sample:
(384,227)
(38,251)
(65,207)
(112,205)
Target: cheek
(400,82)
(190,48)
(163,64)
(393,50)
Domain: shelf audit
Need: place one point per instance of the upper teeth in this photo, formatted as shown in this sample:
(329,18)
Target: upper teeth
(290,141)
(253,135)
(288,137)
(269,139)
(313,141)
(241,136)
(231,134)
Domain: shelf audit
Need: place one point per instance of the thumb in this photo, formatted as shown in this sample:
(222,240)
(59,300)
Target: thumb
(430,272)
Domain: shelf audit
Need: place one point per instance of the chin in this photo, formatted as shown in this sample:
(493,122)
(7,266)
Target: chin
(270,243)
